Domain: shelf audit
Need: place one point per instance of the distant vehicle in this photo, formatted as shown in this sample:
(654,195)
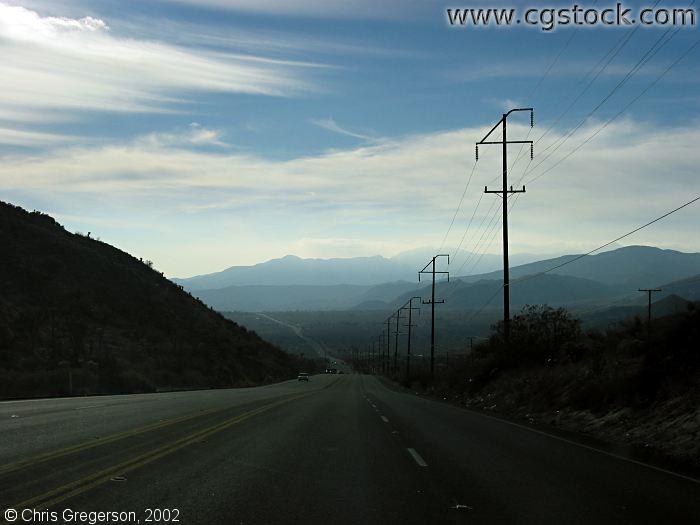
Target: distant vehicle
(303,376)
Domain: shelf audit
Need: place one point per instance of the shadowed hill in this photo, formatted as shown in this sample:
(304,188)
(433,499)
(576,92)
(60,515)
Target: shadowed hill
(74,309)
(550,289)
(630,267)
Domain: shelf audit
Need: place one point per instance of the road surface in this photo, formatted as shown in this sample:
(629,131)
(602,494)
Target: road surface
(339,449)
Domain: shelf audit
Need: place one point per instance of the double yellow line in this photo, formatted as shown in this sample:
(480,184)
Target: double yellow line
(47,456)
(86,483)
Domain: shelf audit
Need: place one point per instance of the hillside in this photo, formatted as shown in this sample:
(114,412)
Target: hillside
(548,289)
(630,266)
(74,309)
(604,317)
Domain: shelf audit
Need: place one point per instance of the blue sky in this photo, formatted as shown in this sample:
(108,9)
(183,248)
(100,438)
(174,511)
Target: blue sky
(202,134)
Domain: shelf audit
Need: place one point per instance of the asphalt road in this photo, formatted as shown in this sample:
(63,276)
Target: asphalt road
(339,449)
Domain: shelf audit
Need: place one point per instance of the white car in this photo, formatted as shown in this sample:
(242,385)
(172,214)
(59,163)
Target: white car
(303,376)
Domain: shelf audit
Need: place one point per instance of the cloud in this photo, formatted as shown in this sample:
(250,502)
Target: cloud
(331,125)
(58,63)
(400,192)
(394,9)
(18,137)
(330,247)
(194,135)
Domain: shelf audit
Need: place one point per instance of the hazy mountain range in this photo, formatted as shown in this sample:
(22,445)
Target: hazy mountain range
(361,271)
(596,280)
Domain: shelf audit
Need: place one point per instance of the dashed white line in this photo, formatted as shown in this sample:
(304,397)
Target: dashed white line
(416,457)
(384,419)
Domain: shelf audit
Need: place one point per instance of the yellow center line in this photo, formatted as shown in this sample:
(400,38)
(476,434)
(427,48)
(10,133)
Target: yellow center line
(46,456)
(86,483)
(86,445)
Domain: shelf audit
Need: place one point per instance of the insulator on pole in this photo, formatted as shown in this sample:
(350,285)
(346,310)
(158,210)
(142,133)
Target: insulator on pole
(532,151)
(477,152)
(532,119)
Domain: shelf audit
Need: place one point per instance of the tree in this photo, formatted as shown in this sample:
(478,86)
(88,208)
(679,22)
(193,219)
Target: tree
(538,334)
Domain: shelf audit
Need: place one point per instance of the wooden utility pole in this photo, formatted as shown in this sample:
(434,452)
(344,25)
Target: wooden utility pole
(432,302)
(649,291)
(396,340)
(388,340)
(504,191)
(410,309)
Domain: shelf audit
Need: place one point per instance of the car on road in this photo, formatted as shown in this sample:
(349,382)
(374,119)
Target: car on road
(303,376)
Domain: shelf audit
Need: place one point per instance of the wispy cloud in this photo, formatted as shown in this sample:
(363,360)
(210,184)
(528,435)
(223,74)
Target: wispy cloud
(194,135)
(19,137)
(396,9)
(331,125)
(399,192)
(59,63)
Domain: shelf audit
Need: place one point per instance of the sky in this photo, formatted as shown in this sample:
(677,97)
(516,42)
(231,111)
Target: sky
(202,134)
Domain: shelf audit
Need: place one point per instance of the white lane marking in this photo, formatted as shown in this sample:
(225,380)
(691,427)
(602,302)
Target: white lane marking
(384,419)
(416,456)
(88,406)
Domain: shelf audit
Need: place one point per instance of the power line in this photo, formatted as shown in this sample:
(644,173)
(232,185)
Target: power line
(494,231)
(528,277)
(648,55)
(459,206)
(493,216)
(532,92)
(461,242)
(617,115)
(619,45)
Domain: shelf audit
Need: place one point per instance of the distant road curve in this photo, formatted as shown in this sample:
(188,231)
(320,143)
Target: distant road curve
(315,345)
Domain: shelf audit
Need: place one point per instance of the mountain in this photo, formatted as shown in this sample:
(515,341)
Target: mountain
(592,281)
(359,271)
(551,289)
(77,310)
(254,298)
(489,262)
(669,305)
(292,270)
(688,288)
(630,266)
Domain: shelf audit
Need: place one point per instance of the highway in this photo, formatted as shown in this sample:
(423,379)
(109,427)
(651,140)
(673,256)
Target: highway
(339,449)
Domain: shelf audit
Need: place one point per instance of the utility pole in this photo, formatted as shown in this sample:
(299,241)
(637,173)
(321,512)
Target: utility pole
(388,339)
(432,303)
(396,338)
(504,191)
(649,291)
(410,325)
(471,343)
